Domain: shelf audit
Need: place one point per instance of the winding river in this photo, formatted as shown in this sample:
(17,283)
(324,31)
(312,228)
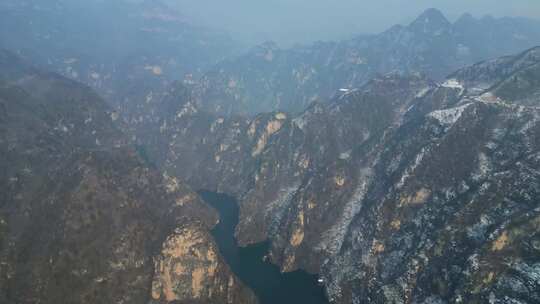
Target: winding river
(269,284)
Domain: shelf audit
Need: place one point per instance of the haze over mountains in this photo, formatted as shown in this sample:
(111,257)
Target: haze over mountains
(113,46)
(141,47)
(268,78)
(402,167)
(289,22)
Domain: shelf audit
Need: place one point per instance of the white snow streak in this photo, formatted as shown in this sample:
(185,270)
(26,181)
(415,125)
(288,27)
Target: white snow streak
(448,117)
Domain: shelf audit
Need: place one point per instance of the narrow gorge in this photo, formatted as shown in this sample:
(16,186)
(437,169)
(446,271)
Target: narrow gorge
(146,158)
(250,263)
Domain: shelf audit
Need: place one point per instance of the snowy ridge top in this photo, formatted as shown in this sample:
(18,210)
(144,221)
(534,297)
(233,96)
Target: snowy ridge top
(449,116)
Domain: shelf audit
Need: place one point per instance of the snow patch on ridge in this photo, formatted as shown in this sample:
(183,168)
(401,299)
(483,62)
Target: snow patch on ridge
(423,92)
(448,117)
(453,84)
(408,172)
(333,238)
(277,209)
(300,122)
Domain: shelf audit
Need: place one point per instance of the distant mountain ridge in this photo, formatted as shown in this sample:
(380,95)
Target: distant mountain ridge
(120,48)
(269,78)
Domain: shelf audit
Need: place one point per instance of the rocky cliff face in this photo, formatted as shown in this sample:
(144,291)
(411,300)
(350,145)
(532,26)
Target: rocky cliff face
(269,79)
(83,219)
(404,190)
(433,217)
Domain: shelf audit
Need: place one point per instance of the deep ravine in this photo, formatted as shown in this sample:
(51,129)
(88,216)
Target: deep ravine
(248,263)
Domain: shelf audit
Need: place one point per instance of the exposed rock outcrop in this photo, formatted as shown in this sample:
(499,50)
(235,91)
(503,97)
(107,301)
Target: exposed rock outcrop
(189,269)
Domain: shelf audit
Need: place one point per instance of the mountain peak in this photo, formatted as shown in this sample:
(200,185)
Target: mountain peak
(265,47)
(466,18)
(432,13)
(466,22)
(431,20)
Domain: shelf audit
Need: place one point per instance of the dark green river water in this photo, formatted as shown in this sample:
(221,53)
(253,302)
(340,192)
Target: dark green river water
(269,284)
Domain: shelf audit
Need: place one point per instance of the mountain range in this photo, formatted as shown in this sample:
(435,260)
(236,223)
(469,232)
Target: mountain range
(268,78)
(401,167)
(406,190)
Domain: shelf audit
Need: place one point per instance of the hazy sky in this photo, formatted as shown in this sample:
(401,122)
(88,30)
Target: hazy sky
(287,21)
